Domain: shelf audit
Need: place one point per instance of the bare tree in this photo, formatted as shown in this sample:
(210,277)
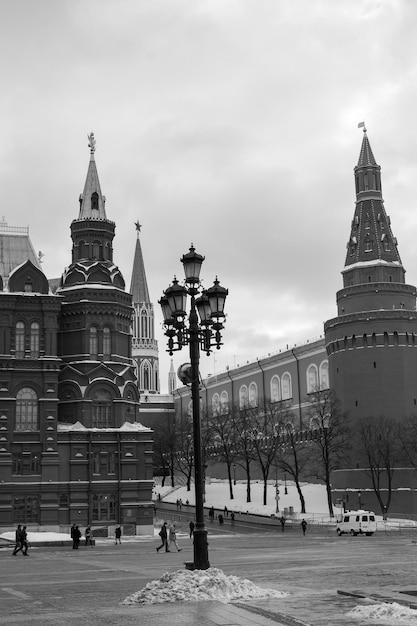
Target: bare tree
(245,443)
(407,437)
(222,442)
(380,443)
(266,432)
(165,448)
(330,438)
(293,454)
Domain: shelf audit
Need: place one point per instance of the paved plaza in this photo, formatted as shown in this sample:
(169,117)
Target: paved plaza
(324,575)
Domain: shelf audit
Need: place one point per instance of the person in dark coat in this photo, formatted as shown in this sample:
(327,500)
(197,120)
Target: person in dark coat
(18,540)
(211,514)
(163,533)
(25,542)
(88,536)
(76,536)
(282,520)
(118,534)
(73,527)
(304,526)
(192,526)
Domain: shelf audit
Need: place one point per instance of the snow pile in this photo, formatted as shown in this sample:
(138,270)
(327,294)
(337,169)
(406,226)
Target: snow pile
(196,585)
(33,537)
(385,614)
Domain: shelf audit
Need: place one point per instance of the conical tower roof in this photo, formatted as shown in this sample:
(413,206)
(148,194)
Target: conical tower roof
(92,200)
(371,239)
(139,285)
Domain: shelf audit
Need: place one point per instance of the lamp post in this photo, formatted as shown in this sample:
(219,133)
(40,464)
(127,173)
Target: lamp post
(359,499)
(234,473)
(205,321)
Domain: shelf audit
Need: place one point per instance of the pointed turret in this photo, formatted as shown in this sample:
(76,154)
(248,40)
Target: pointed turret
(92,201)
(172,379)
(144,344)
(371,344)
(138,284)
(371,243)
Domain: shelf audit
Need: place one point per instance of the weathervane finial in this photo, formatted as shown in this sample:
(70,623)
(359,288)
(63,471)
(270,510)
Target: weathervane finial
(362,125)
(91,142)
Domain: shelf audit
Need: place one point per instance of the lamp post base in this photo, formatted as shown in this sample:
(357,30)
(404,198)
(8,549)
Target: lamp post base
(201,560)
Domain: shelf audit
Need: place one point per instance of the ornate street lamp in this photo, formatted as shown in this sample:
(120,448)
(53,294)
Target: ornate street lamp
(205,322)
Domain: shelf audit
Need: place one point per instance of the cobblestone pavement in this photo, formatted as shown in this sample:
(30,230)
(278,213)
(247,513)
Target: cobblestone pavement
(59,586)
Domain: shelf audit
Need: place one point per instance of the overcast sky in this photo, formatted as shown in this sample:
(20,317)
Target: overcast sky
(231,124)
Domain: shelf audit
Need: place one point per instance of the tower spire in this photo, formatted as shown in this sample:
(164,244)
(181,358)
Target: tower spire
(92,201)
(371,239)
(144,344)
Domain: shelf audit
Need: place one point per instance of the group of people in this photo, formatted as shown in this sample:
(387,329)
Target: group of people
(21,541)
(89,538)
(168,537)
(76,536)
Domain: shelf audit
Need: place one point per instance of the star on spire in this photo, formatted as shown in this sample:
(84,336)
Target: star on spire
(138,226)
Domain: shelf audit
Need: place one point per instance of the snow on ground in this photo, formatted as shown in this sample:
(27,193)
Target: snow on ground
(192,586)
(218,496)
(383,613)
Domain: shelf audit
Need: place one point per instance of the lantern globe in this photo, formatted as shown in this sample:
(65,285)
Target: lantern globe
(176,295)
(166,310)
(217,298)
(203,307)
(192,262)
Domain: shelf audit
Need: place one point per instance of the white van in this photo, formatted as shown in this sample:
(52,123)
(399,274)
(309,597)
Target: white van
(356,523)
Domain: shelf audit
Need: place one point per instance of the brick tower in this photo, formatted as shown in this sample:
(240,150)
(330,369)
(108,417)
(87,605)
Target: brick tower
(372,343)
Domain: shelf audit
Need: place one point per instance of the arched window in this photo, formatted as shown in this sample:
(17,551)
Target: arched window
(215,404)
(243,397)
(145,375)
(96,250)
(34,340)
(102,410)
(312,379)
(253,395)
(144,332)
(104,507)
(26,409)
(106,342)
(224,403)
(94,201)
(93,342)
(286,386)
(324,375)
(20,340)
(275,389)
(368,244)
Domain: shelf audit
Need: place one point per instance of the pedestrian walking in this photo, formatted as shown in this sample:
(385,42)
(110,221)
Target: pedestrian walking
(226,512)
(173,538)
(232,516)
(73,527)
(304,526)
(163,533)
(118,535)
(220,519)
(25,542)
(192,526)
(211,514)
(282,520)
(76,536)
(18,540)
(88,536)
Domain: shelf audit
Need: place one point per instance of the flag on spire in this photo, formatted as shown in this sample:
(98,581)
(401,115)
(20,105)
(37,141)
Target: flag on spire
(362,125)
